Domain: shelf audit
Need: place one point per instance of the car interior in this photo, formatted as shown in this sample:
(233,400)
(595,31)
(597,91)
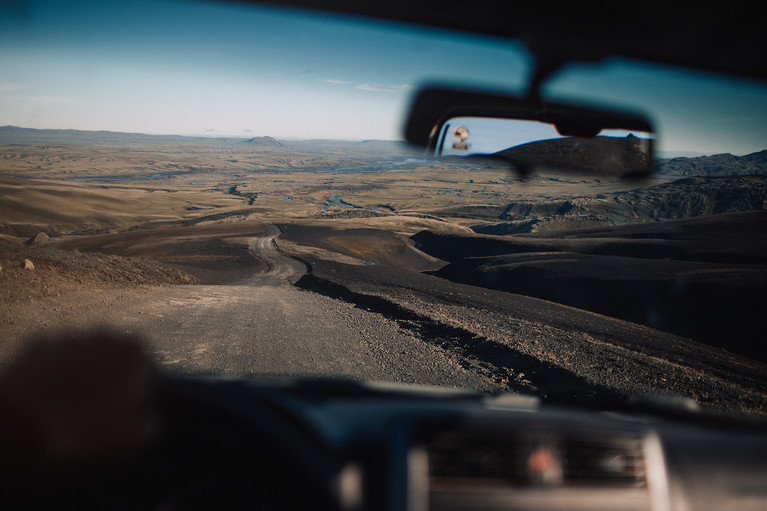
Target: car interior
(91,420)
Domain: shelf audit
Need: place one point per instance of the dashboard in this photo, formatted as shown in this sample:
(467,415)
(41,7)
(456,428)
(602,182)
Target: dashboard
(431,449)
(340,445)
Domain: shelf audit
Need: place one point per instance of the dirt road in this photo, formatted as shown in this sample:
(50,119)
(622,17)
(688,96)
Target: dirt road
(383,322)
(261,325)
(280,268)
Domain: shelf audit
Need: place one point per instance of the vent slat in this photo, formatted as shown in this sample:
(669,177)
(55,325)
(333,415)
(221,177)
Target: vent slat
(609,461)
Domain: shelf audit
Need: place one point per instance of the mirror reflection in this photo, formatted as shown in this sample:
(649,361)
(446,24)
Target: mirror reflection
(533,145)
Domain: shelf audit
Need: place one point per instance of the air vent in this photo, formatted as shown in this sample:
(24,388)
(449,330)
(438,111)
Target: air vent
(604,461)
(526,458)
(533,468)
(460,456)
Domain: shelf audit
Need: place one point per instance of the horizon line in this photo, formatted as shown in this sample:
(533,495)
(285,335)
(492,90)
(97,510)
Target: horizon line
(205,135)
(667,153)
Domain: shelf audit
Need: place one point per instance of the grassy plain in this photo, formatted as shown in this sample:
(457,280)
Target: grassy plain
(70,188)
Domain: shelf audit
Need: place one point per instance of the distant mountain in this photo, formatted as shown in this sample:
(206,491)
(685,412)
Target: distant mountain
(381,148)
(715,165)
(262,142)
(30,136)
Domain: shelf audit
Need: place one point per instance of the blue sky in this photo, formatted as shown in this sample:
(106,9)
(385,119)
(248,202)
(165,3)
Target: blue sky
(199,68)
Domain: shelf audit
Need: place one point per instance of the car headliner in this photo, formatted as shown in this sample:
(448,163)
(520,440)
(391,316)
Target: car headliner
(713,36)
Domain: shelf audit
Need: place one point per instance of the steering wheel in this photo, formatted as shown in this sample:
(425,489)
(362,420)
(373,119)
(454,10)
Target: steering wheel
(220,448)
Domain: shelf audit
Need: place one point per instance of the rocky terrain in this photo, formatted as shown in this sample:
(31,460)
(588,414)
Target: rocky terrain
(715,165)
(703,278)
(39,280)
(679,199)
(520,342)
(338,260)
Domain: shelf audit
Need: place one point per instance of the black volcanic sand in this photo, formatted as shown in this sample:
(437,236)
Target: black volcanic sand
(519,343)
(525,343)
(368,245)
(214,253)
(703,278)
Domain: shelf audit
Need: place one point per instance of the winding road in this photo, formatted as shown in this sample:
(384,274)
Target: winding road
(264,325)
(280,268)
(375,324)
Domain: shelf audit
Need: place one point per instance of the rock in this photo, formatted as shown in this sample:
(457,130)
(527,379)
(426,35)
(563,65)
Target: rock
(28,265)
(40,240)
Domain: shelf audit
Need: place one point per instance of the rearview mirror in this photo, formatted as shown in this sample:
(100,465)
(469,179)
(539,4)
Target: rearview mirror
(531,145)
(532,135)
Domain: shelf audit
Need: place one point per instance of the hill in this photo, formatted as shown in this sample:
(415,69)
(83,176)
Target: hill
(702,278)
(684,198)
(30,136)
(715,165)
(262,142)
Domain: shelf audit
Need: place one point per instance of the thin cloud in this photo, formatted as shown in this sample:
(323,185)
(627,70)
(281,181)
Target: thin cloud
(391,89)
(10,86)
(374,88)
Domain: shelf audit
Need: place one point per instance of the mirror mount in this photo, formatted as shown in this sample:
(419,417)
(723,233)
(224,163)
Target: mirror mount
(543,68)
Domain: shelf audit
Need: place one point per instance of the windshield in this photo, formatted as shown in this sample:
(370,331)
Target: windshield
(229,183)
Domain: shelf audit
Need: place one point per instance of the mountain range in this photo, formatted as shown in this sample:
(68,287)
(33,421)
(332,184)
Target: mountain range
(714,165)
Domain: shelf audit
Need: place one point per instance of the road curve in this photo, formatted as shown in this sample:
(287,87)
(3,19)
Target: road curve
(280,268)
(263,325)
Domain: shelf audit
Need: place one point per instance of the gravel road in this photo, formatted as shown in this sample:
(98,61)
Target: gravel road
(264,325)
(388,323)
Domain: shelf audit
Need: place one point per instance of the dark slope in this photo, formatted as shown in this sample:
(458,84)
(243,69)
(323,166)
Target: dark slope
(703,278)
(683,198)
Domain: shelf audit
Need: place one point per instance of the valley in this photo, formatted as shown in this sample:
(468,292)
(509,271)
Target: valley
(370,260)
